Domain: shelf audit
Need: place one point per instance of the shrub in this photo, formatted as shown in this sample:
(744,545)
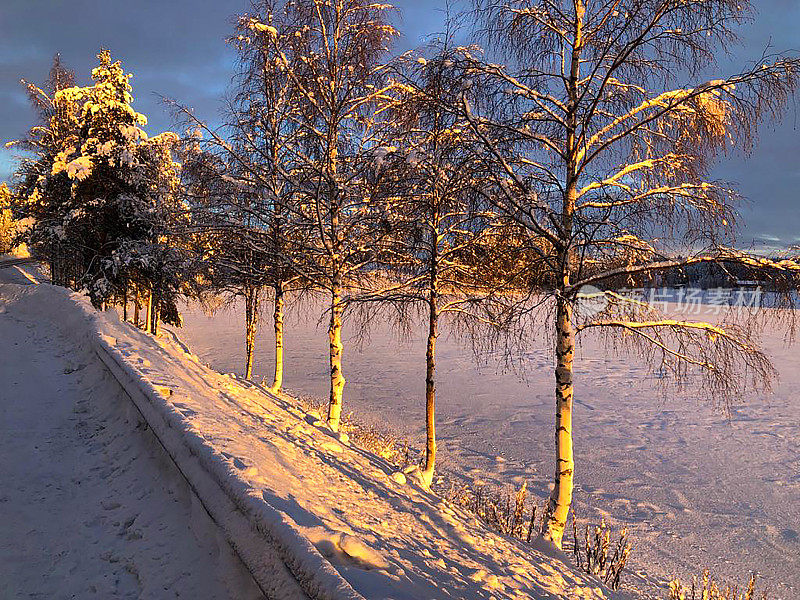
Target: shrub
(708,589)
(594,556)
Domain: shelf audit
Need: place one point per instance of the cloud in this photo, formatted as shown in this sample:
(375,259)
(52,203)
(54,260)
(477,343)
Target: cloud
(174,48)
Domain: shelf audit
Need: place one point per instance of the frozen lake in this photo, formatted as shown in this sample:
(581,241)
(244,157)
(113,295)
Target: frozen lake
(696,489)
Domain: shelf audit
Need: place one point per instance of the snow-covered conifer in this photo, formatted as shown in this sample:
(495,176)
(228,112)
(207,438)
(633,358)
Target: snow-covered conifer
(104,190)
(38,196)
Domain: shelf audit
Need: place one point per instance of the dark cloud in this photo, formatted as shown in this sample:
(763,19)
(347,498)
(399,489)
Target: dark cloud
(176,48)
(769,178)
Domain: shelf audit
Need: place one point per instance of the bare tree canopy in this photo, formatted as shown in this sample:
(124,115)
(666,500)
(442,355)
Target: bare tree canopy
(598,149)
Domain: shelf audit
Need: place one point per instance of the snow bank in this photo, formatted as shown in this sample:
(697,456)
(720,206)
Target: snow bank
(309,514)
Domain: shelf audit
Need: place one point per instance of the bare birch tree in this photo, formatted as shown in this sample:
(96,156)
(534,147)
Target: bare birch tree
(597,149)
(442,225)
(333,52)
(246,171)
(235,271)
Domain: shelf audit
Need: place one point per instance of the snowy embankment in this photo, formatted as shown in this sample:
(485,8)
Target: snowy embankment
(695,489)
(290,493)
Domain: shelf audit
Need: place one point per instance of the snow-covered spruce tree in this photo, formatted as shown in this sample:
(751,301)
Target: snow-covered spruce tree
(598,149)
(243,180)
(153,255)
(335,50)
(109,192)
(37,196)
(432,183)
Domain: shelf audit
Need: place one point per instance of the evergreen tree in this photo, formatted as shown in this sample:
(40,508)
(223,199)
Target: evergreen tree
(6,220)
(39,196)
(106,193)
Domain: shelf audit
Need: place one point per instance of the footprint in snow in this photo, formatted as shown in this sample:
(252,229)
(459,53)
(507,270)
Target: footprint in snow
(184,409)
(237,462)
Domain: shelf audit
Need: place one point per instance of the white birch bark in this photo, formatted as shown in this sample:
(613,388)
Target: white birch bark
(336,348)
(561,496)
(430,392)
(251,325)
(277,380)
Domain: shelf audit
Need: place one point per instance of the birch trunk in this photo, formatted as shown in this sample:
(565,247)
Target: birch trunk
(561,497)
(251,324)
(148,319)
(277,381)
(337,380)
(430,391)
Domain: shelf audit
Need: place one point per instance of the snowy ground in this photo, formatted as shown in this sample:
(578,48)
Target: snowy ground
(90,506)
(384,534)
(696,489)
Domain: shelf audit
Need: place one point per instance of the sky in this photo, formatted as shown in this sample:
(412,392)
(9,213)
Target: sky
(176,49)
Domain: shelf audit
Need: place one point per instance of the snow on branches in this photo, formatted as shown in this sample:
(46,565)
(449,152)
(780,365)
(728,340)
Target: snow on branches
(597,149)
(99,189)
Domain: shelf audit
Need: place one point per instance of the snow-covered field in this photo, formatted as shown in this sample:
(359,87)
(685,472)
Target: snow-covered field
(696,489)
(90,506)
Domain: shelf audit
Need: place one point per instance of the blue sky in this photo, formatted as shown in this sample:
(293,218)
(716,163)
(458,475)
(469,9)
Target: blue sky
(176,48)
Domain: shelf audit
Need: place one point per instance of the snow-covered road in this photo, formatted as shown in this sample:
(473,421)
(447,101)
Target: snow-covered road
(90,507)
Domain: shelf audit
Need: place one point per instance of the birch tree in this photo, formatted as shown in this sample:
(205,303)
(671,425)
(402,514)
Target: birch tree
(336,50)
(236,270)
(244,174)
(236,250)
(442,225)
(599,149)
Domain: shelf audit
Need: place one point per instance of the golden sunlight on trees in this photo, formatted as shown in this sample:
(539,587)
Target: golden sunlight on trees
(6,221)
(102,195)
(592,150)
(505,191)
